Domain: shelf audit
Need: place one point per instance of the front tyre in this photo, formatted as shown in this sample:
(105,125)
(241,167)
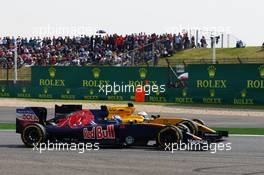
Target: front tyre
(183,127)
(33,135)
(169,134)
(199,121)
(191,125)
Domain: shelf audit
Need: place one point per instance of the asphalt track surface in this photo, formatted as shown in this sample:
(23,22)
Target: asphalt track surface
(245,158)
(8,114)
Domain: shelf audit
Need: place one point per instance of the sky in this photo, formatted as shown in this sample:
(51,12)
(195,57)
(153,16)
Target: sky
(240,18)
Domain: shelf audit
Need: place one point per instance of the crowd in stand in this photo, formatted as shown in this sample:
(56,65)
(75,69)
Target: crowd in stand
(99,49)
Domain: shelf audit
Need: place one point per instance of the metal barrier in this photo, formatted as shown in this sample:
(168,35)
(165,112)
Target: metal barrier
(237,60)
(23,76)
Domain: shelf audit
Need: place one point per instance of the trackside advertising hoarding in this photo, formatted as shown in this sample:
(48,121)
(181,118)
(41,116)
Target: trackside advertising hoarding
(241,84)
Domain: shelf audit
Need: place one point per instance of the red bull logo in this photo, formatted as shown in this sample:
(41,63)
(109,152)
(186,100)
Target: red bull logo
(97,132)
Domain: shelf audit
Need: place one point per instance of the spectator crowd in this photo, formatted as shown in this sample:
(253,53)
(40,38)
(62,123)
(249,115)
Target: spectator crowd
(87,50)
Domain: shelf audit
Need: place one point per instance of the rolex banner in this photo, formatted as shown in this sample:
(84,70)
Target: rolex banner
(96,83)
(241,84)
(225,84)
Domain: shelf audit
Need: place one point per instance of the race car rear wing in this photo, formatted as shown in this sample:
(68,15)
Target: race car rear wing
(29,115)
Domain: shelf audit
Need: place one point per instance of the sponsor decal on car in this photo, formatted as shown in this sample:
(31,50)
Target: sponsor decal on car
(26,114)
(29,118)
(97,132)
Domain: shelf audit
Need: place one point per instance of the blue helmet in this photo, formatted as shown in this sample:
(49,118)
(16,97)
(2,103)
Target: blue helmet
(117,118)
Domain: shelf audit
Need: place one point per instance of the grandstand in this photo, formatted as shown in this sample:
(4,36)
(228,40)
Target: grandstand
(115,50)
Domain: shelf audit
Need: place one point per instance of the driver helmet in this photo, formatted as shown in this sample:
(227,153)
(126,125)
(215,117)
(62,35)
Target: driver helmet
(144,114)
(117,118)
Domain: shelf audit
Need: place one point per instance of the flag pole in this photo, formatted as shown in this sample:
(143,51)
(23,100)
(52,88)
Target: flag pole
(15,58)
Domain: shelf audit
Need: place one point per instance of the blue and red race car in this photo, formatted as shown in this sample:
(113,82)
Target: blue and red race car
(72,124)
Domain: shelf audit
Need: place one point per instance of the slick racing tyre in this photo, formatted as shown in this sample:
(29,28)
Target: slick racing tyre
(191,125)
(183,127)
(199,121)
(169,134)
(33,135)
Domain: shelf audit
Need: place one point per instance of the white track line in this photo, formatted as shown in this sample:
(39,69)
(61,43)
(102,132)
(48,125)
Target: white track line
(7,130)
(245,135)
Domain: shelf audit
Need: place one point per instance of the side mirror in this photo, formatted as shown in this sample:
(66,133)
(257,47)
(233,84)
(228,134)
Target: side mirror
(130,105)
(131,122)
(155,116)
(104,108)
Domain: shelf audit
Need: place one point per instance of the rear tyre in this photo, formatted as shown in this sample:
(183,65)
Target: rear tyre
(191,125)
(33,135)
(169,134)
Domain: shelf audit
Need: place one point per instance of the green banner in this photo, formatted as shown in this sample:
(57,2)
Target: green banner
(227,84)
(240,84)
(85,82)
(80,77)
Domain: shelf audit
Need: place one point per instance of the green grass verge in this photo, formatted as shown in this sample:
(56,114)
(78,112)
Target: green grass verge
(223,55)
(248,131)
(248,52)
(5,126)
